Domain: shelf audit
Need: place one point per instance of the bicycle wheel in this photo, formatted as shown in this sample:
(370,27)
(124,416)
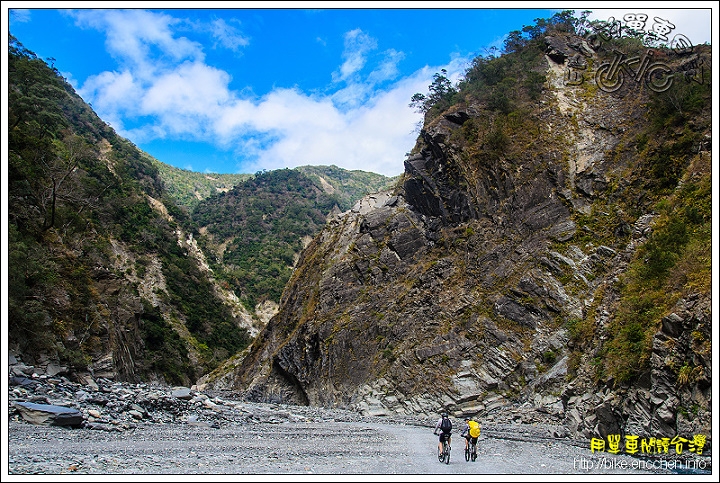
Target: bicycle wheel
(473,453)
(467,454)
(447,454)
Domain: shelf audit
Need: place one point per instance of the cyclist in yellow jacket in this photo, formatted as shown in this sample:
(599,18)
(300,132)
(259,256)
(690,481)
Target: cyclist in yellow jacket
(471,431)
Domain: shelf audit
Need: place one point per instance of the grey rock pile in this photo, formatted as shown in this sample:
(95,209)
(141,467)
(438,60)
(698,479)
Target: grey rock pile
(113,406)
(39,398)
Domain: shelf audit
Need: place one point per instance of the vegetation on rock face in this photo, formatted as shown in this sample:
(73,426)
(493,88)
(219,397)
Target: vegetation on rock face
(79,213)
(499,81)
(670,174)
(674,263)
(439,98)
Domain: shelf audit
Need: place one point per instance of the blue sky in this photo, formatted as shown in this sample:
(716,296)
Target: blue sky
(265,87)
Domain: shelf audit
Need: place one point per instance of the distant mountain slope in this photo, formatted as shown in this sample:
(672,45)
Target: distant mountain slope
(257,230)
(347,186)
(188,188)
(256,225)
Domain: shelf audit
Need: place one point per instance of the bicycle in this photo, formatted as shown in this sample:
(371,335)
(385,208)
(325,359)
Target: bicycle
(444,452)
(471,452)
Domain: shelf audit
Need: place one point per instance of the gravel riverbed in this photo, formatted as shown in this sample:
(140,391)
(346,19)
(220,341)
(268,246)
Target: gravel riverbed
(302,446)
(140,430)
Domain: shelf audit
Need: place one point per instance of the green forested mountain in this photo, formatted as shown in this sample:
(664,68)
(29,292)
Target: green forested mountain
(188,188)
(95,269)
(104,277)
(256,230)
(346,187)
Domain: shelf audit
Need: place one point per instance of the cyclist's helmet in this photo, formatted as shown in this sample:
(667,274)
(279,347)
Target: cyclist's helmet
(444,415)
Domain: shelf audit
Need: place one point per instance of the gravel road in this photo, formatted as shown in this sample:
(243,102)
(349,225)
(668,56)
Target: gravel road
(372,446)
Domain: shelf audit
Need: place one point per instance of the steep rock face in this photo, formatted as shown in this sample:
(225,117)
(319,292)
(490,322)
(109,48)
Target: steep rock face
(455,291)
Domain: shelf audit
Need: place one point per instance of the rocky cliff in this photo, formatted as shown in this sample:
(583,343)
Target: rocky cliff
(504,276)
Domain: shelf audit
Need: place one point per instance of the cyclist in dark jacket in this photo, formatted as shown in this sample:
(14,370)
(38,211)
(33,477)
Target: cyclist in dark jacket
(444,429)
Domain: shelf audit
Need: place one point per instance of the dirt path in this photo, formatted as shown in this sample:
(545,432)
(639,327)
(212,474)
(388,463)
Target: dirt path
(308,448)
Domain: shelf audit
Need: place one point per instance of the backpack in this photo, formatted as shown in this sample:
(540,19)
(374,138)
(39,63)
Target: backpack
(445,425)
(474,429)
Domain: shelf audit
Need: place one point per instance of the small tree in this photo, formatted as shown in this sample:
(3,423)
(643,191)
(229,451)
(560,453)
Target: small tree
(441,93)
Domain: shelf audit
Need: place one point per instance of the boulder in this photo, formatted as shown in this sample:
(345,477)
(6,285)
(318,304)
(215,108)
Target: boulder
(672,325)
(49,415)
(182,393)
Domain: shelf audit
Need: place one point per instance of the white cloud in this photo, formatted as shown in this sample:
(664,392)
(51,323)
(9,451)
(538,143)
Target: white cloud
(352,96)
(227,35)
(372,137)
(141,39)
(113,94)
(288,109)
(232,121)
(388,68)
(162,75)
(165,83)
(358,90)
(191,88)
(357,45)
